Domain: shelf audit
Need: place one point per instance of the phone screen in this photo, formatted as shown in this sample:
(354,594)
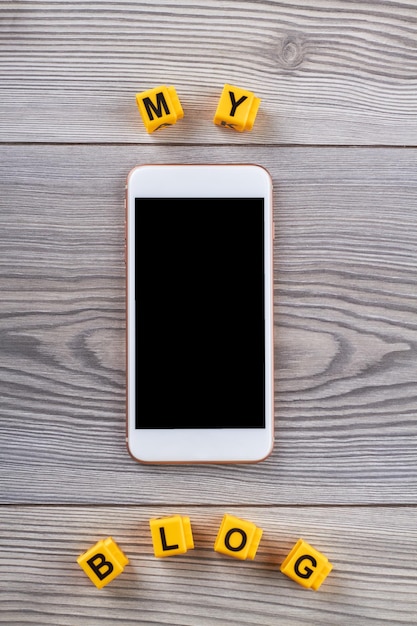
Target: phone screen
(200,308)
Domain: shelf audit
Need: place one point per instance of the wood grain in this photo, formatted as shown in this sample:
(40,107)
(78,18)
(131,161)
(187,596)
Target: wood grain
(337,130)
(345,330)
(328,72)
(372,550)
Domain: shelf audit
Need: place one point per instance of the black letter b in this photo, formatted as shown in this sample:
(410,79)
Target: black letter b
(97,567)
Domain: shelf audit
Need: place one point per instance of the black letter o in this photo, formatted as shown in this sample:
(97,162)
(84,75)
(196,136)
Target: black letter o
(242,543)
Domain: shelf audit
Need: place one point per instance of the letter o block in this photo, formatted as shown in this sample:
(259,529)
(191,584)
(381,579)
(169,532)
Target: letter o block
(237,108)
(103,562)
(159,107)
(237,538)
(171,535)
(306,566)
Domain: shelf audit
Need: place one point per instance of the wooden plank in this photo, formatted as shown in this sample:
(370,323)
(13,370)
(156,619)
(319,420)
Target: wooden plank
(345,330)
(327,71)
(373,581)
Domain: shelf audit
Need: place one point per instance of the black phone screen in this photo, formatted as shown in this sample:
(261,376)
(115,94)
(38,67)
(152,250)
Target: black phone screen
(200,330)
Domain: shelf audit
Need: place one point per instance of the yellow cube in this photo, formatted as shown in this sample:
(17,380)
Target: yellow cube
(171,535)
(103,562)
(237,538)
(159,107)
(306,566)
(237,108)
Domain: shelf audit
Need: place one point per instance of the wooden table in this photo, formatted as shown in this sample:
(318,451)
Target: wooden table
(337,129)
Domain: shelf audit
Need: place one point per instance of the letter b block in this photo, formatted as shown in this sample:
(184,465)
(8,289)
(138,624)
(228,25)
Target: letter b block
(171,535)
(237,538)
(306,566)
(159,107)
(237,108)
(103,562)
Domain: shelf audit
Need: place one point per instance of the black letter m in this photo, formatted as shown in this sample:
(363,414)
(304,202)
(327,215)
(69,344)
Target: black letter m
(160,102)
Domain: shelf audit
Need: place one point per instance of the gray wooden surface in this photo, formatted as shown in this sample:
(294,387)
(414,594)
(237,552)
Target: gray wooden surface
(337,129)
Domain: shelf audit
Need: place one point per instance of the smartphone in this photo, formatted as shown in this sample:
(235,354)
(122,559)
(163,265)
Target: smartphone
(199,248)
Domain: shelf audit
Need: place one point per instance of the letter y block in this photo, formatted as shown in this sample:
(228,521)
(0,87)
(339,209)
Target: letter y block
(237,108)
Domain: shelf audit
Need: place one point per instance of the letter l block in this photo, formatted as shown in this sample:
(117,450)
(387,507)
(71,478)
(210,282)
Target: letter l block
(103,562)
(171,535)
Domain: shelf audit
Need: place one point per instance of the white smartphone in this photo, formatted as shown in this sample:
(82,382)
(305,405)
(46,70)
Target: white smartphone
(199,249)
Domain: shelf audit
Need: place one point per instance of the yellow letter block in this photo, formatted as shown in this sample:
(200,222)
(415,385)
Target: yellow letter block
(171,535)
(237,538)
(159,107)
(306,566)
(237,108)
(103,562)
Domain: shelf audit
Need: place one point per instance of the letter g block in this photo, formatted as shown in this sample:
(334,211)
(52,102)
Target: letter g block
(171,535)
(103,562)
(237,108)
(306,566)
(237,538)
(159,107)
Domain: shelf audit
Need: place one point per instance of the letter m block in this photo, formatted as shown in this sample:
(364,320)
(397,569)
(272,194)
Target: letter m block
(159,107)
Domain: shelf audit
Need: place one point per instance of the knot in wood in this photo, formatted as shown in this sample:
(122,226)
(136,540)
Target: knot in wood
(290,52)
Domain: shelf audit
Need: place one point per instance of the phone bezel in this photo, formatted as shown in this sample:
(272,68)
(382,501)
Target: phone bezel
(242,445)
